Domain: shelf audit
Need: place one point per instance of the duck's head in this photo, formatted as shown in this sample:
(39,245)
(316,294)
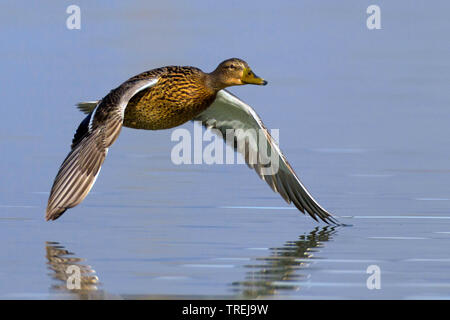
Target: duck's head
(235,72)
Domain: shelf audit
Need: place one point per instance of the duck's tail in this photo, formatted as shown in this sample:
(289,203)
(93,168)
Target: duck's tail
(87,106)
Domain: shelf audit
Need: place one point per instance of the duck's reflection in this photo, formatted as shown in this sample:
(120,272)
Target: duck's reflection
(280,270)
(71,275)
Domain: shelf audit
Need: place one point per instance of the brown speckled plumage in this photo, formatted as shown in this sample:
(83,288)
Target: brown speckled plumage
(180,94)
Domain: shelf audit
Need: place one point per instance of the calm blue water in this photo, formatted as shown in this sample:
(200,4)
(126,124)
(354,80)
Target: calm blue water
(363,118)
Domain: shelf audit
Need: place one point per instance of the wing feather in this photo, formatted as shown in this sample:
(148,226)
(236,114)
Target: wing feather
(229,112)
(96,133)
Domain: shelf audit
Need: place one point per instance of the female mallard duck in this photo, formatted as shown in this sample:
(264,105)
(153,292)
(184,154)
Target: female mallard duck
(165,98)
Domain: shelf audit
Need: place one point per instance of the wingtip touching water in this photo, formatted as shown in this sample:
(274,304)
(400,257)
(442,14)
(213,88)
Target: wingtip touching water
(54,213)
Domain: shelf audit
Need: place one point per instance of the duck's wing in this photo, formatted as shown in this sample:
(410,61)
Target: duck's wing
(228,112)
(96,133)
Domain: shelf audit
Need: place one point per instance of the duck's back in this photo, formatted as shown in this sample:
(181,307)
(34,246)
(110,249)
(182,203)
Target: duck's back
(180,94)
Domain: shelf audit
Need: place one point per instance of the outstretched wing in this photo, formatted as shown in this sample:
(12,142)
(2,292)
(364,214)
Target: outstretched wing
(229,113)
(96,133)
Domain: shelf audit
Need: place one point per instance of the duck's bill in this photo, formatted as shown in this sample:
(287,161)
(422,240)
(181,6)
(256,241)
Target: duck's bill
(249,77)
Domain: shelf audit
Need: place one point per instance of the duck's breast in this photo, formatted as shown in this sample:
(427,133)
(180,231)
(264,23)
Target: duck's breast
(175,100)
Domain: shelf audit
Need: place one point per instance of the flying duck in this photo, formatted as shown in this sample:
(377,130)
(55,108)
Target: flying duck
(164,98)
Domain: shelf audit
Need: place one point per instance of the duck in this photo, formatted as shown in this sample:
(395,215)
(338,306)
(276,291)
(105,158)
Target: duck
(165,98)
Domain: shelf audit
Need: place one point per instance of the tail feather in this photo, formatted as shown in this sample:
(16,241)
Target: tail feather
(87,106)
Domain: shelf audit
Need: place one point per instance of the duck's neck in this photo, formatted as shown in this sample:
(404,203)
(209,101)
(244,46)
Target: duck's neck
(214,81)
